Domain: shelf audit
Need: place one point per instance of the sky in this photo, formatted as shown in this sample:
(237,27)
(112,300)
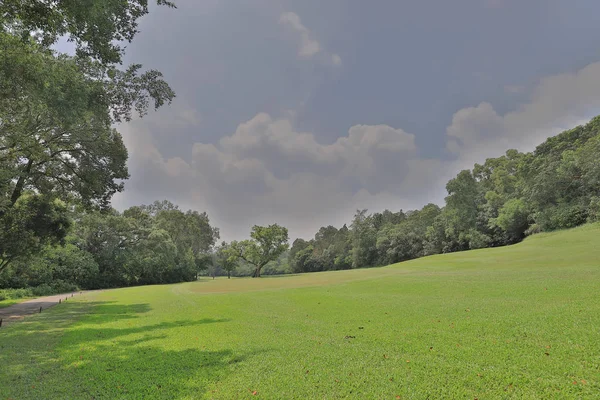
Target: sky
(300,112)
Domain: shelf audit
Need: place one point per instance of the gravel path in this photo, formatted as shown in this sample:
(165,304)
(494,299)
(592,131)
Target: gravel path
(19,311)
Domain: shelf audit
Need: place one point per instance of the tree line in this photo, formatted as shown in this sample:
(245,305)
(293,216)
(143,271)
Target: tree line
(497,203)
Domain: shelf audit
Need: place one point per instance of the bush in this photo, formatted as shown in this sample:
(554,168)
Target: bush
(63,287)
(594,209)
(563,216)
(55,287)
(6,294)
(42,290)
(533,229)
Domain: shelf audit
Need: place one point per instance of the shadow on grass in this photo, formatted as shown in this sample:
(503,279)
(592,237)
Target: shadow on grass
(50,356)
(95,313)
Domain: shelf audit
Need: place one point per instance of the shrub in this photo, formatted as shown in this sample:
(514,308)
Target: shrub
(563,216)
(42,290)
(594,209)
(533,229)
(6,294)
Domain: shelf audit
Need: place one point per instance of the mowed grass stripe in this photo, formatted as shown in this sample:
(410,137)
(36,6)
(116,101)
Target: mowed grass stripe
(518,322)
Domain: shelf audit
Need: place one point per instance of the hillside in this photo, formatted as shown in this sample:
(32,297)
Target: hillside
(513,322)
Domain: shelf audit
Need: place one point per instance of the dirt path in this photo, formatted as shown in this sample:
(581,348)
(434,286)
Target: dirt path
(19,311)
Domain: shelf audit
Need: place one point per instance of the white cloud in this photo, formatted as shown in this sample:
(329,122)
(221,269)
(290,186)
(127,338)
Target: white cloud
(557,103)
(309,47)
(266,171)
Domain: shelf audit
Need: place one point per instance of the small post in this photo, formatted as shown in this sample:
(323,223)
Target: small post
(59,300)
(40,309)
(71,294)
(0,322)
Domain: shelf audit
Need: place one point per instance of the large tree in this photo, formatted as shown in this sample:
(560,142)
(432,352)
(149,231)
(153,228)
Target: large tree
(266,244)
(57,111)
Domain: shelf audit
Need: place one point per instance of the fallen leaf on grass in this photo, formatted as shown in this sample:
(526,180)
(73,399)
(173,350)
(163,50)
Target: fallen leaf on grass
(254,393)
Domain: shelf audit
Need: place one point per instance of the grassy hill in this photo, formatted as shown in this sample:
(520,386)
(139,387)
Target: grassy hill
(514,322)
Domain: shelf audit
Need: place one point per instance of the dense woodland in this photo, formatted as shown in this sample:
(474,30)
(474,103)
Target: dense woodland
(62,160)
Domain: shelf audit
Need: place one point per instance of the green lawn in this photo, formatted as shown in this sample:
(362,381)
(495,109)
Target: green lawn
(518,322)
(10,302)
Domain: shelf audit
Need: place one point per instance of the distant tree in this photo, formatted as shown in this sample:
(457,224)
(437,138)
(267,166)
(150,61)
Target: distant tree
(298,262)
(513,219)
(364,240)
(227,258)
(266,244)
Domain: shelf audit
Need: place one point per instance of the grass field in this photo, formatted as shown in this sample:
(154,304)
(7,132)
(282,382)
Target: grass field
(10,302)
(519,322)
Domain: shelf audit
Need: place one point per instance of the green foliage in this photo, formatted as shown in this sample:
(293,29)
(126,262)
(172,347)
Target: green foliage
(227,258)
(364,239)
(513,218)
(33,222)
(267,243)
(99,28)
(57,112)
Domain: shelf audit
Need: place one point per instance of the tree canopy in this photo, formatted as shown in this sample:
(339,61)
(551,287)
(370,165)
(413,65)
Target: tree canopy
(266,244)
(57,139)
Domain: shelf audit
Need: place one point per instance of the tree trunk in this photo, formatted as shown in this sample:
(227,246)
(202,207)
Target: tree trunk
(21,183)
(228,274)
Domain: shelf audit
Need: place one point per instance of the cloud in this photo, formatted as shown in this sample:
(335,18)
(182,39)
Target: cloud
(558,102)
(266,171)
(514,89)
(308,47)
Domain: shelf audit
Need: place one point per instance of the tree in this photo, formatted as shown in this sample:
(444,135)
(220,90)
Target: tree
(56,130)
(190,231)
(97,27)
(364,240)
(57,111)
(31,224)
(513,219)
(227,258)
(266,244)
